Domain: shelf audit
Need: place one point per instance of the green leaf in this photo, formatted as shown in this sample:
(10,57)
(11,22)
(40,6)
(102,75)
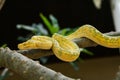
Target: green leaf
(40,30)
(21,38)
(4,45)
(54,22)
(44,59)
(64,31)
(75,65)
(29,28)
(4,74)
(80,60)
(87,52)
(47,23)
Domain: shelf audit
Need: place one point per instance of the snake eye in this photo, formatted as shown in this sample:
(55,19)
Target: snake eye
(64,48)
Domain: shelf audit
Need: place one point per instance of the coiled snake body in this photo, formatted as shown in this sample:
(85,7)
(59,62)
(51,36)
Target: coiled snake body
(63,46)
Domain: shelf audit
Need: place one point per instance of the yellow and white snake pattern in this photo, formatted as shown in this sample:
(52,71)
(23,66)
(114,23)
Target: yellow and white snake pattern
(64,48)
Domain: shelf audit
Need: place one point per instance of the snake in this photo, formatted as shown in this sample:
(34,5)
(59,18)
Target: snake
(64,48)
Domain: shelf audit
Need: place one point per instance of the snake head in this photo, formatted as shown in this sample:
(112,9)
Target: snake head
(37,42)
(65,49)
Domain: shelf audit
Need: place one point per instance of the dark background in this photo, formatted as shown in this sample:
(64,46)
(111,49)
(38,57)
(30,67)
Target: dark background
(70,13)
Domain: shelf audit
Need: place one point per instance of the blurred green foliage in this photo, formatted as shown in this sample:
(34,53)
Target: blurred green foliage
(4,45)
(51,27)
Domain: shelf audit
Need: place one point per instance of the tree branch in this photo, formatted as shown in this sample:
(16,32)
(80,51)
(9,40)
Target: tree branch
(1,3)
(35,53)
(81,42)
(27,68)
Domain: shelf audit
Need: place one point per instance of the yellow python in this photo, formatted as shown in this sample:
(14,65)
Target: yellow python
(63,46)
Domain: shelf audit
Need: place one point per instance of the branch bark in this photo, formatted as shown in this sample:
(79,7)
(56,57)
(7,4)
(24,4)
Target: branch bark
(1,3)
(81,42)
(27,68)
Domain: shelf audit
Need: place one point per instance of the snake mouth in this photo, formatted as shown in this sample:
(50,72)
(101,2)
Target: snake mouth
(65,49)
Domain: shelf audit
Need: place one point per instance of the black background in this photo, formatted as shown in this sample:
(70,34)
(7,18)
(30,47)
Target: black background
(70,13)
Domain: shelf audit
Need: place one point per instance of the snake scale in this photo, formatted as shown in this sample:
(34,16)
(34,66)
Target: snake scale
(64,48)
